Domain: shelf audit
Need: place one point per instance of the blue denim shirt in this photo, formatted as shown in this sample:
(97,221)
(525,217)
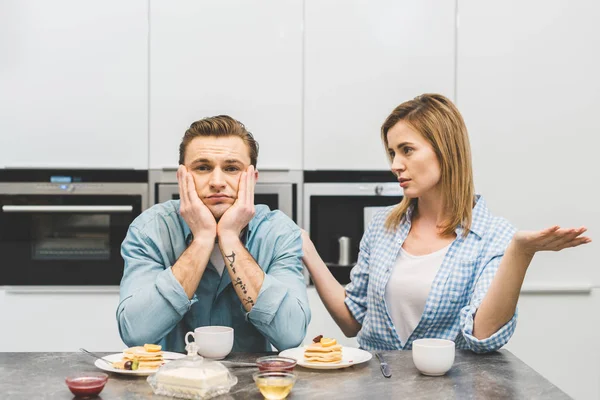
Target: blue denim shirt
(154,308)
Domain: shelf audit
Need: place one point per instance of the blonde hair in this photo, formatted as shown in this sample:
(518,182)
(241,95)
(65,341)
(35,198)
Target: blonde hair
(438,120)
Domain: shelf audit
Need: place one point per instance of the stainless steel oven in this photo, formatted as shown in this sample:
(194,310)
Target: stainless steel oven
(276,189)
(66,227)
(337,208)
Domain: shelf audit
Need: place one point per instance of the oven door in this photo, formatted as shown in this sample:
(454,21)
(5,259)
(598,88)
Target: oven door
(339,210)
(64,239)
(278,196)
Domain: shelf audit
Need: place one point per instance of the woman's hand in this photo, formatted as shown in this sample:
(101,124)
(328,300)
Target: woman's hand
(308,250)
(551,239)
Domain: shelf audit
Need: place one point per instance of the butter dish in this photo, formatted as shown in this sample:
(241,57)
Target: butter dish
(192,377)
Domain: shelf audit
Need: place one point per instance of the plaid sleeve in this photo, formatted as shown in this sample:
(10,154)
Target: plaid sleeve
(467,314)
(356,290)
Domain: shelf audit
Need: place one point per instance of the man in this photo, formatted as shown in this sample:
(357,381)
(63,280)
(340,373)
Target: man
(213,257)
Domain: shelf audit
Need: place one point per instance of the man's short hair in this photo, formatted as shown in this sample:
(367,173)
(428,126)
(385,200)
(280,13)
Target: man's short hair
(219,126)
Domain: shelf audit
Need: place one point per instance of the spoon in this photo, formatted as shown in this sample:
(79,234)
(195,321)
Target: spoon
(95,356)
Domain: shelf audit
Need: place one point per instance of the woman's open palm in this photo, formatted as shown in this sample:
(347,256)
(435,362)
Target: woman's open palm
(551,239)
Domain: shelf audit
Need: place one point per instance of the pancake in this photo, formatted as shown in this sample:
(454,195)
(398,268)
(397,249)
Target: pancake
(325,351)
(130,357)
(318,348)
(145,359)
(336,355)
(140,352)
(320,360)
(150,364)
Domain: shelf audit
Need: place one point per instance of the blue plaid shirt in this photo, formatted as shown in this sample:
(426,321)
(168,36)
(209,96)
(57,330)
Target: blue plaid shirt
(456,292)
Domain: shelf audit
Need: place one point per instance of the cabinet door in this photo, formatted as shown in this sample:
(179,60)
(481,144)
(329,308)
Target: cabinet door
(233,57)
(362,59)
(52,319)
(557,335)
(528,87)
(73,84)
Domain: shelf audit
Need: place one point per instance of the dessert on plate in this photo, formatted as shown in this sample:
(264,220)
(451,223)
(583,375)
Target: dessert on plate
(148,356)
(323,351)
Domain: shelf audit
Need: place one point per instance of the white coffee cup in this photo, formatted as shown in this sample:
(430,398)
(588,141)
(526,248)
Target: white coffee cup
(213,342)
(433,357)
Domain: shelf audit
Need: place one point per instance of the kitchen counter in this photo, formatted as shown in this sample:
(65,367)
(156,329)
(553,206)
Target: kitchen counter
(498,375)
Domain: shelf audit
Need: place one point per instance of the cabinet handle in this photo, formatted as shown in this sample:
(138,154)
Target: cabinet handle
(554,288)
(61,289)
(87,209)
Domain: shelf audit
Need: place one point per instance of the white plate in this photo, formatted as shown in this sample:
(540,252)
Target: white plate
(167,355)
(350,356)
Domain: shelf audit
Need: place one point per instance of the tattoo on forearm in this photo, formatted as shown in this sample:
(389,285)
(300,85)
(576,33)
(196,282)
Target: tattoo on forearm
(238,282)
(231,259)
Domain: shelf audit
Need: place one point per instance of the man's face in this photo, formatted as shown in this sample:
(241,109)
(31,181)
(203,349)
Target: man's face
(216,164)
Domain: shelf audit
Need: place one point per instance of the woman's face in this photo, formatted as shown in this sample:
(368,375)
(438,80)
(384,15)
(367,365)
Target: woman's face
(413,161)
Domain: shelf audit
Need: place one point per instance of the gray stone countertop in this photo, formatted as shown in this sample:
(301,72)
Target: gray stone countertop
(498,375)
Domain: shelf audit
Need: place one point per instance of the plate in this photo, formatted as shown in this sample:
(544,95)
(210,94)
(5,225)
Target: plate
(350,356)
(167,355)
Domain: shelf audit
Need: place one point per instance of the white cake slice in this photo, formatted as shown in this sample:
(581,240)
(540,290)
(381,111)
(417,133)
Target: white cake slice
(192,381)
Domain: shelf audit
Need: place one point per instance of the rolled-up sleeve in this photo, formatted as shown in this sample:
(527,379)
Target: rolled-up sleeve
(467,314)
(152,301)
(281,312)
(356,290)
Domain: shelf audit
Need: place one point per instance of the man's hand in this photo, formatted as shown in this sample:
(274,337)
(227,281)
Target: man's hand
(551,239)
(195,213)
(241,212)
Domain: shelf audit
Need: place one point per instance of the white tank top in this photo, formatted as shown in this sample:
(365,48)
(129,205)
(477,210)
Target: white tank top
(408,288)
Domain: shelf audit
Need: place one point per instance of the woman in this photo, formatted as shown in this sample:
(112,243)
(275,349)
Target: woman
(437,264)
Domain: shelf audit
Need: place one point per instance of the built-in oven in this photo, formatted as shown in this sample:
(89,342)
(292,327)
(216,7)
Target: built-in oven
(276,189)
(61,227)
(338,206)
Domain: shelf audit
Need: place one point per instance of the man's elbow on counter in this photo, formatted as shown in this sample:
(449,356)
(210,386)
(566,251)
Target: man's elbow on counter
(291,340)
(135,337)
(293,337)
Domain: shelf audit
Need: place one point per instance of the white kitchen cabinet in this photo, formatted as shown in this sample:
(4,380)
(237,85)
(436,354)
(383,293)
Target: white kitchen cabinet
(232,57)
(557,335)
(528,89)
(362,59)
(74,84)
(59,321)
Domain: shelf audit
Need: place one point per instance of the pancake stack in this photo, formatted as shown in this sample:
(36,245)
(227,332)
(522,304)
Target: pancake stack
(323,351)
(146,357)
